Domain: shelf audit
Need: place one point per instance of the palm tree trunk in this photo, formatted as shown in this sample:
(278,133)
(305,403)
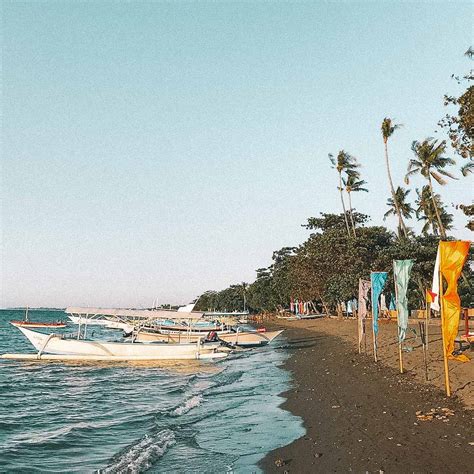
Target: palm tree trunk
(350,213)
(400,219)
(435,205)
(343,205)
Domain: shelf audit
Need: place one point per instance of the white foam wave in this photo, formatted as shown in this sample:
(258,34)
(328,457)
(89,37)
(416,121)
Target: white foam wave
(188,405)
(141,456)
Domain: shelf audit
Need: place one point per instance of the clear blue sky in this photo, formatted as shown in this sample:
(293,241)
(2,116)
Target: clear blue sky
(163,149)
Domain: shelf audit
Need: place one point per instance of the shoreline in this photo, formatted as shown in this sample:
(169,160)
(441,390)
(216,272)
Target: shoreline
(362,416)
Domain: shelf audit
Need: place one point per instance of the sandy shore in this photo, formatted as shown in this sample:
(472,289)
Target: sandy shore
(362,416)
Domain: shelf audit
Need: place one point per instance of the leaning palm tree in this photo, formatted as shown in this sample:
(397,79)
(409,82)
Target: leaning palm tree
(430,163)
(388,128)
(353,185)
(399,204)
(344,162)
(429,207)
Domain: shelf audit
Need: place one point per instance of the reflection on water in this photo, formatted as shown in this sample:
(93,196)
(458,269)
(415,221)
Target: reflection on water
(161,416)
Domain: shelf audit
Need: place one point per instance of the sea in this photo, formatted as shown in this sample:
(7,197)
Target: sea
(112,417)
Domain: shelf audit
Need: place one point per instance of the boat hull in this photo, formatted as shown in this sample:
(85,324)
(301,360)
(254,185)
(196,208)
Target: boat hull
(37,324)
(84,349)
(240,339)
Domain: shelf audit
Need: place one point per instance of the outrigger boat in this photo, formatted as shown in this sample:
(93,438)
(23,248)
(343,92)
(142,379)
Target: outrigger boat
(232,337)
(59,347)
(37,324)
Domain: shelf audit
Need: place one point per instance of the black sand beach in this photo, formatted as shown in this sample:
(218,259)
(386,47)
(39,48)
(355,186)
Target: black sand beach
(361,416)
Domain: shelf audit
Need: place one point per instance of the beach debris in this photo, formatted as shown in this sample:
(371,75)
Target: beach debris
(279,462)
(471,443)
(336,406)
(442,414)
(318,455)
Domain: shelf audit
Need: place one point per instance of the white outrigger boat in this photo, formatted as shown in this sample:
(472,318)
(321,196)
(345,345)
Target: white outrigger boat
(58,347)
(232,337)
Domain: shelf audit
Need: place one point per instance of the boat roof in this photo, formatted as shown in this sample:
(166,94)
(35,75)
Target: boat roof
(134,313)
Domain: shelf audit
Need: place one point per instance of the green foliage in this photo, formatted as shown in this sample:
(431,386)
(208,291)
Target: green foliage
(427,212)
(326,268)
(388,128)
(459,124)
(333,221)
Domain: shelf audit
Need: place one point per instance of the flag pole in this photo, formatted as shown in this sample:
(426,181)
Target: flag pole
(359,338)
(400,357)
(423,342)
(445,356)
(427,321)
(365,335)
(374,338)
(428,314)
(359,326)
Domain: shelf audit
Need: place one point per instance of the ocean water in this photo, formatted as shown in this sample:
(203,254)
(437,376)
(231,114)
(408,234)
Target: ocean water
(134,417)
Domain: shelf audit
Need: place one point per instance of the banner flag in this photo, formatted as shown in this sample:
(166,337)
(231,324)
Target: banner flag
(430,296)
(452,258)
(435,285)
(364,287)
(377,280)
(401,275)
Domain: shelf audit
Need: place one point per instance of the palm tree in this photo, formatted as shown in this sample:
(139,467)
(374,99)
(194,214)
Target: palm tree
(353,185)
(430,163)
(344,162)
(400,204)
(429,207)
(388,128)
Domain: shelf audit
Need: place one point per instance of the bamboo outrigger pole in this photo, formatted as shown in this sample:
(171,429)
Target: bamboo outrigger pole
(445,356)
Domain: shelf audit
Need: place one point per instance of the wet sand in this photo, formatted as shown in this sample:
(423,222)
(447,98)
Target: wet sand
(360,415)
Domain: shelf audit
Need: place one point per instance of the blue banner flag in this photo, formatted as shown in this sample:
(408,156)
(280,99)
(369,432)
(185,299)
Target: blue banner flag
(377,280)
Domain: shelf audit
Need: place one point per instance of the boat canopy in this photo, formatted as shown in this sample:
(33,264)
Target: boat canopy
(134,313)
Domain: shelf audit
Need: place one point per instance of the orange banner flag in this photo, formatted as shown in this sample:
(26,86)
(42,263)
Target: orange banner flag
(452,258)
(430,296)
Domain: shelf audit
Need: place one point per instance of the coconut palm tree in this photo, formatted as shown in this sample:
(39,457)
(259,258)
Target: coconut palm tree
(429,207)
(344,162)
(430,163)
(400,204)
(353,185)
(388,128)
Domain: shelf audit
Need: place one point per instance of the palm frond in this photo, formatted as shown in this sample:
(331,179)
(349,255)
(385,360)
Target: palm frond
(445,173)
(438,178)
(331,159)
(467,168)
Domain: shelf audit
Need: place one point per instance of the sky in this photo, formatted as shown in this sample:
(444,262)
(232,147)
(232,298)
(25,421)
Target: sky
(155,150)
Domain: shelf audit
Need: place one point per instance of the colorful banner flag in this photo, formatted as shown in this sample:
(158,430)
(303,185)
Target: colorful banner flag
(452,258)
(377,280)
(430,296)
(401,275)
(364,287)
(435,285)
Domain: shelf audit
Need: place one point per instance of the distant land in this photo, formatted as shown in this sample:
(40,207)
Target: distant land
(32,309)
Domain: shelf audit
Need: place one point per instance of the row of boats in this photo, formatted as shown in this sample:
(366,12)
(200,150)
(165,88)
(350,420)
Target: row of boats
(148,335)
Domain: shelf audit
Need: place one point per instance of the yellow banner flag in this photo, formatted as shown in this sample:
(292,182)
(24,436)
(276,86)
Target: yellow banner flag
(452,258)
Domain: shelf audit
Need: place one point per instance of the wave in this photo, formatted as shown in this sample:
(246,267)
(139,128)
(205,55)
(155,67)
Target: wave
(142,455)
(188,405)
